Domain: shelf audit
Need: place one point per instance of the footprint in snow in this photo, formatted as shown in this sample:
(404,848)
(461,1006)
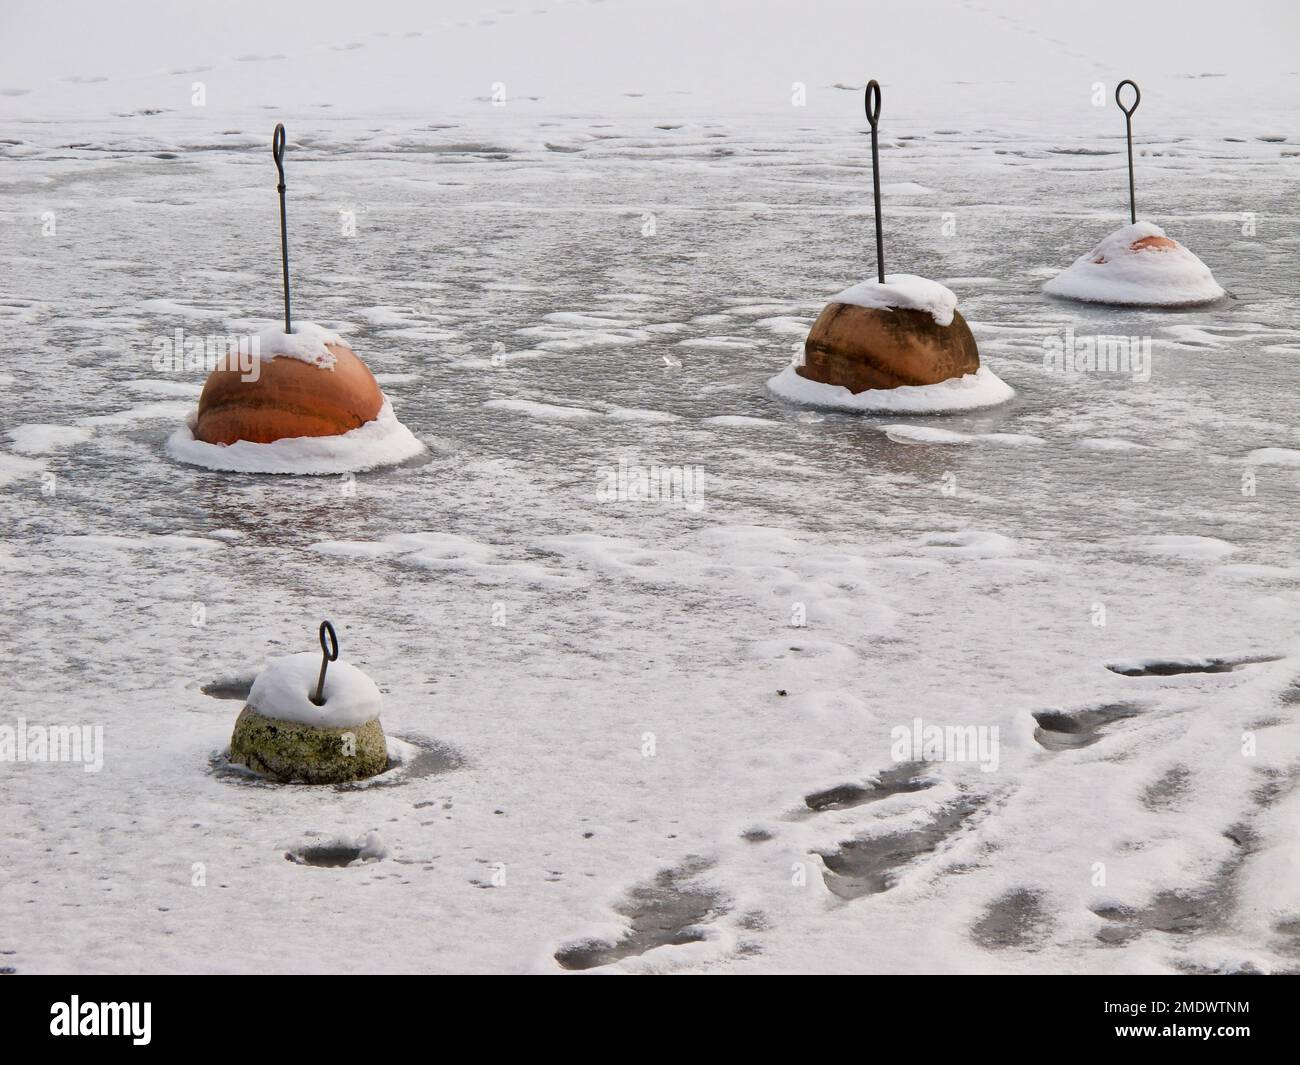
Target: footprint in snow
(1207,907)
(900,779)
(1017,920)
(1168,790)
(1171,667)
(1065,730)
(869,865)
(668,911)
(1179,911)
(1288,931)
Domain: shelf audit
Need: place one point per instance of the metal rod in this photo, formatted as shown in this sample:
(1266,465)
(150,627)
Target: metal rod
(873,116)
(329,653)
(1128,128)
(277,152)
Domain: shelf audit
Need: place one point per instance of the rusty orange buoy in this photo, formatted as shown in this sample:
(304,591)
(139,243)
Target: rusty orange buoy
(869,347)
(900,345)
(289,398)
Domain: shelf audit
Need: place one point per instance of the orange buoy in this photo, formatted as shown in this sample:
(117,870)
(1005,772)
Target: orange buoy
(899,345)
(289,398)
(871,347)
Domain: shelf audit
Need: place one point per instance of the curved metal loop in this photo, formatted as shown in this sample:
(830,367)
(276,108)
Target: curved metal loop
(332,651)
(329,653)
(277,151)
(873,113)
(1137,97)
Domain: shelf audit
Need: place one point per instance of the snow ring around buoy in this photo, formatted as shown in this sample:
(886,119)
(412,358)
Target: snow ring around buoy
(382,442)
(972,391)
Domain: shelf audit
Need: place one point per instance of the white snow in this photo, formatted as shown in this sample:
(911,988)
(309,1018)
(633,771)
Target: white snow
(165,542)
(450,553)
(1108,443)
(905,291)
(42,439)
(1274,456)
(983,388)
(1189,546)
(1166,277)
(741,421)
(968,543)
(13,467)
(788,325)
(306,343)
(926,434)
(382,442)
(284,688)
(547,411)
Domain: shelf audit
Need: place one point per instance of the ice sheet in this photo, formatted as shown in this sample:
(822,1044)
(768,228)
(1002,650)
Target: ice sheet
(591,686)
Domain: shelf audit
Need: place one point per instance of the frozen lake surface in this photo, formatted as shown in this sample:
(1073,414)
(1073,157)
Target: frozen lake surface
(625,750)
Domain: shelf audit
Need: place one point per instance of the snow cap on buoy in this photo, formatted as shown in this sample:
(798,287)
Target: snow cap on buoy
(1138,265)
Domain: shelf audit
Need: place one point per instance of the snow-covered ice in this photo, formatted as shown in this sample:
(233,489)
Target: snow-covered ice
(1275,456)
(41,439)
(648,716)
(928,434)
